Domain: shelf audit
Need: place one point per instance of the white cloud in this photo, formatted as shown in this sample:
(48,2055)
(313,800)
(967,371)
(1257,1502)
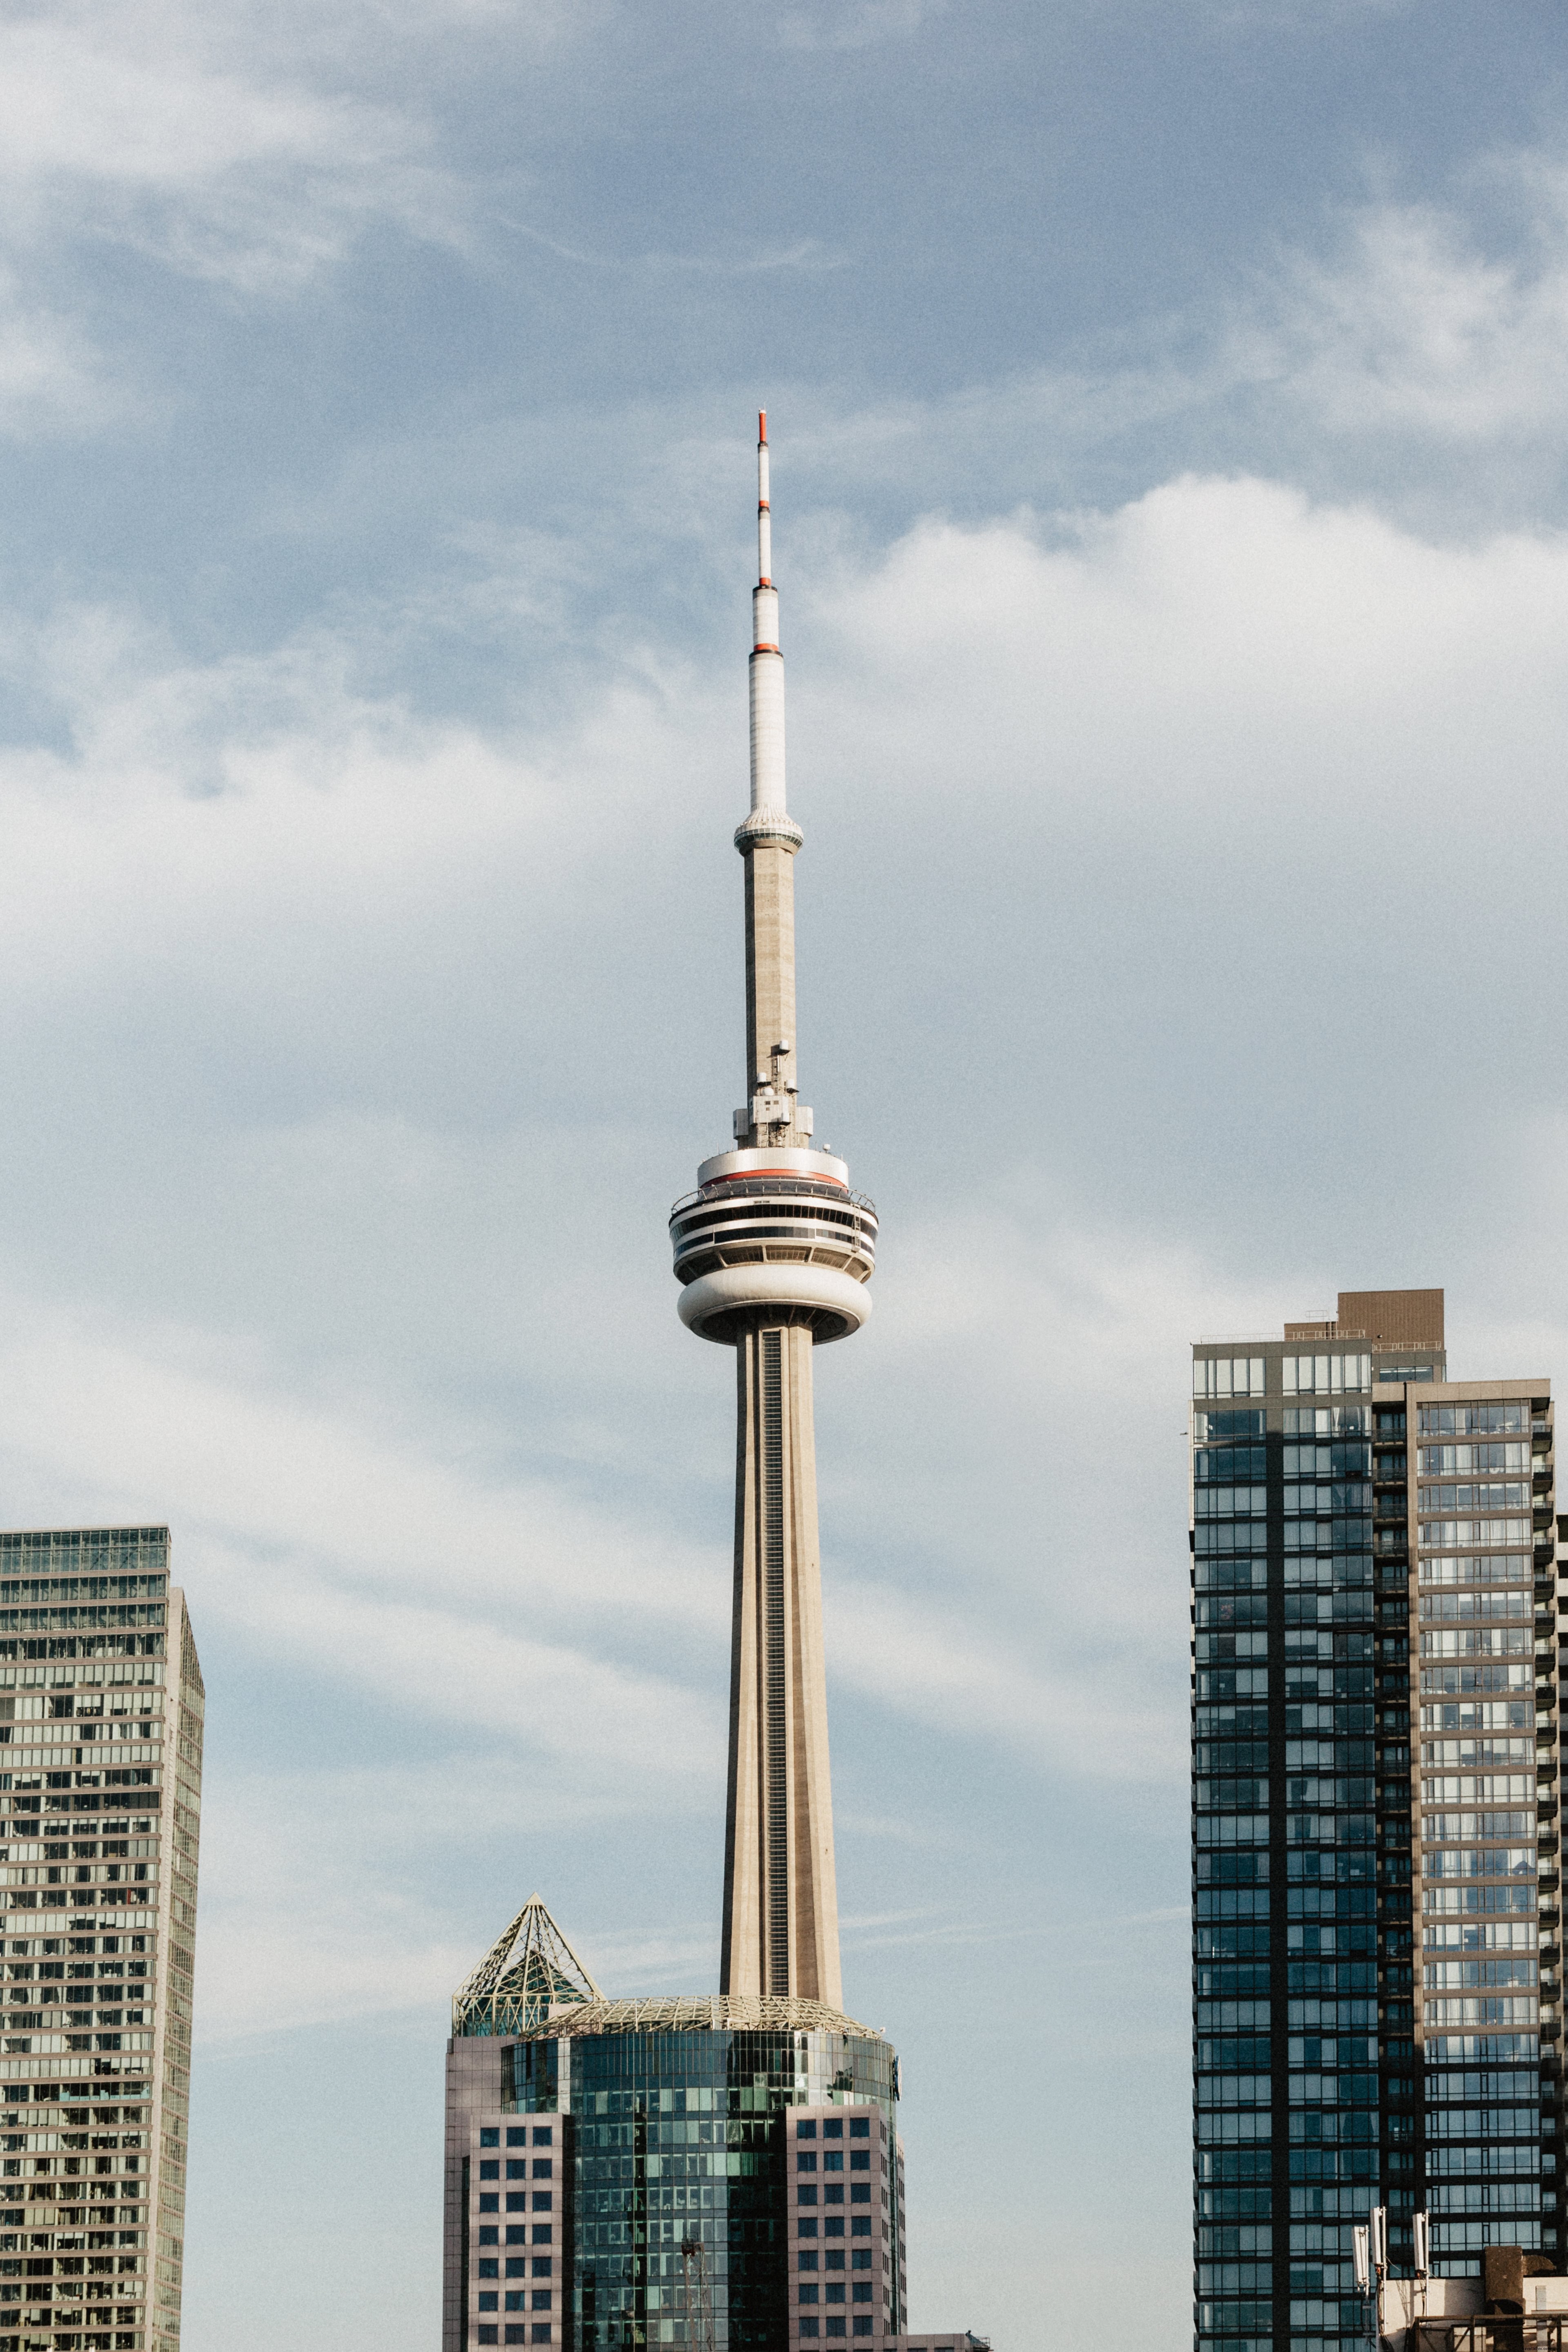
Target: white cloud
(1414,328)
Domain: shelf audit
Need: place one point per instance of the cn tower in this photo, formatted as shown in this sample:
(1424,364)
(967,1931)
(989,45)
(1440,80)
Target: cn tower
(773,1251)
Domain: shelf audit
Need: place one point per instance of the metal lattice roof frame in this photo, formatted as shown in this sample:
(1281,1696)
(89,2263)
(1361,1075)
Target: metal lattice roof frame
(528,1969)
(700,2013)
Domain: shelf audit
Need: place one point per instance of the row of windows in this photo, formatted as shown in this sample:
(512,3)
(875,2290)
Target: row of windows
(517,2168)
(517,2136)
(515,2203)
(1465,1460)
(1512,1419)
(861,2291)
(833,2159)
(1478,1567)
(835,2327)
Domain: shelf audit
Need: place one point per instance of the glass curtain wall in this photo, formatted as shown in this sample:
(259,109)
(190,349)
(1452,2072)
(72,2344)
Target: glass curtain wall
(675,2143)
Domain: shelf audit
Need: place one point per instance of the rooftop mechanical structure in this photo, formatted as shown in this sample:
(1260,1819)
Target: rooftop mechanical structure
(773,1253)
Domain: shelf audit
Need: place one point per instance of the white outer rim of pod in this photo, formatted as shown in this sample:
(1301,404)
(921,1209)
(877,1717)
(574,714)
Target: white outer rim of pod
(734,1286)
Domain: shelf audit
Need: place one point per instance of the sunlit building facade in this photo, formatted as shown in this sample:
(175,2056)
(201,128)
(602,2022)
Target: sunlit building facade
(1375,1752)
(101,1711)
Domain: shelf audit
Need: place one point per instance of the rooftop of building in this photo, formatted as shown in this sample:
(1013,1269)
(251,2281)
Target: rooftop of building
(696,2013)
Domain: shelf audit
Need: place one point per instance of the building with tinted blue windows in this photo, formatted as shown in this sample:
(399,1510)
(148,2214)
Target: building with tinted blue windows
(1375,1752)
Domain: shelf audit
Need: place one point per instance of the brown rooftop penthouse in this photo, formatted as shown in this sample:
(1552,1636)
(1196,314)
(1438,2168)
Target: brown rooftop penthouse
(1387,1318)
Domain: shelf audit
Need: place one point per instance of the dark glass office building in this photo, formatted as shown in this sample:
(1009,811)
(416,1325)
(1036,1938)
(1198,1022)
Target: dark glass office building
(1376,1966)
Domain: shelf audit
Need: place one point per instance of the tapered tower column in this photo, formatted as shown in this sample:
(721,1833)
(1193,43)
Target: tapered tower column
(773,1253)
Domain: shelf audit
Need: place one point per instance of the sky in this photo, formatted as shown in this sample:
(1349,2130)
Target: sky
(1169,429)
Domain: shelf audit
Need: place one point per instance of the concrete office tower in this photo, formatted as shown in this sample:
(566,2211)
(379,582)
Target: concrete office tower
(773,1253)
(1376,1753)
(100,1779)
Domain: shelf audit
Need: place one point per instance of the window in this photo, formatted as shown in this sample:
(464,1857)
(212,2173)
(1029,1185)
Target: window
(860,2194)
(834,2290)
(490,2335)
(516,2201)
(808,2293)
(487,2235)
(861,2227)
(544,2135)
(860,2160)
(860,2127)
(516,2168)
(490,2171)
(489,2270)
(833,2159)
(517,2136)
(833,2128)
(807,2261)
(543,2167)
(489,2139)
(806,2131)
(544,2202)
(1228,1375)
(491,2203)
(543,2234)
(861,2291)
(489,2303)
(543,2266)
(806,2159)
(516,2235)
(807,2228)
(808,2196)
(516,2266)
(1331,1375)
(860,2260)
(835,2258)
(864,2327)
(541,2298)
(541,2335)
(809,2328)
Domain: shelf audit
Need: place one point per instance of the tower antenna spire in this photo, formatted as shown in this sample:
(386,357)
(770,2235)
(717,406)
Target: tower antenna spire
(767,661)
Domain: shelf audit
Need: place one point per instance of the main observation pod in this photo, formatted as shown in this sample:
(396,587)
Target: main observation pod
(775,1236)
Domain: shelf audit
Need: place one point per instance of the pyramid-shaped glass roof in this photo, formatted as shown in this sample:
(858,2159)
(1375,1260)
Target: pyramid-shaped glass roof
(529,1973)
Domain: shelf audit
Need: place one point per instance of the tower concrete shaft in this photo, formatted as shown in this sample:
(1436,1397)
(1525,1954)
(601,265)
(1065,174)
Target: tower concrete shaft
(780,1899)
(773,1253)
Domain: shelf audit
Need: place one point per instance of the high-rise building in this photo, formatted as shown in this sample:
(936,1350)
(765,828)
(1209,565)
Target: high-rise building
(1377,2016)
(723,2172)
(100,1776)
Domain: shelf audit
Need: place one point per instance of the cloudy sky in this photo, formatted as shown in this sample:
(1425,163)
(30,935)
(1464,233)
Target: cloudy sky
(1170,426)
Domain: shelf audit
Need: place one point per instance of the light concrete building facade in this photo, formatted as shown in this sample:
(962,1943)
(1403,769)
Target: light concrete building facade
(101,1711)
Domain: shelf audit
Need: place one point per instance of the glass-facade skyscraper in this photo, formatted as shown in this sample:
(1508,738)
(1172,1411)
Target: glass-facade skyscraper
(1375,1754)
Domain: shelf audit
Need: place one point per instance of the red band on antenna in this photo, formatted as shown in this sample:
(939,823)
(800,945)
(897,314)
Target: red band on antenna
(762,425)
